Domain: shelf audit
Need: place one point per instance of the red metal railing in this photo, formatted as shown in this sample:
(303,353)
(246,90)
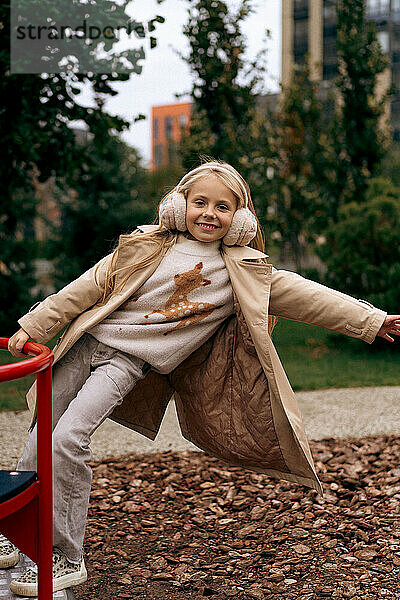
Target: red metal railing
(32,528)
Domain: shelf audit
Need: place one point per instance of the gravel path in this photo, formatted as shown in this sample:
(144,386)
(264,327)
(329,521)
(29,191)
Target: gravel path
(339,413)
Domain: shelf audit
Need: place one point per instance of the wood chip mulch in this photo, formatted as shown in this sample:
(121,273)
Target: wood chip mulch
(183,525)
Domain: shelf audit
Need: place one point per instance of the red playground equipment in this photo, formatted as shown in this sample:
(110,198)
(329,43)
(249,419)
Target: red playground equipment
(26,497)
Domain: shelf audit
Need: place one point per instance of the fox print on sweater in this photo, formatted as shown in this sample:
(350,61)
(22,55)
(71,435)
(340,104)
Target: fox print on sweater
(176,310)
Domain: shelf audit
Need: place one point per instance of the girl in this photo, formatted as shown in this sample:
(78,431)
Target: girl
(181,307)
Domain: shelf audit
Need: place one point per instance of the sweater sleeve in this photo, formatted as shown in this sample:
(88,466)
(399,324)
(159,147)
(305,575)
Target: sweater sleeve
(296,298)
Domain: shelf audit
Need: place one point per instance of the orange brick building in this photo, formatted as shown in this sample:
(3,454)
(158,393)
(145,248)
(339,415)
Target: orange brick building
(167,121)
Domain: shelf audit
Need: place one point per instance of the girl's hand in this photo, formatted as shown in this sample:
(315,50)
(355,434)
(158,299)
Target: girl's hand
(390,325)
(17,342)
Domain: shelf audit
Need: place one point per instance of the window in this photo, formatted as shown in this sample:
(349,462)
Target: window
(383,38)
(395,112)
(300,40)
(330,49)
(329,67)
(172,153)
(329,71)
(377,7)
(396,45)
(182,120)
(168,127)
(158,158)
(329,11)
(396,76)
(300,9)
(155,129)
(372,6)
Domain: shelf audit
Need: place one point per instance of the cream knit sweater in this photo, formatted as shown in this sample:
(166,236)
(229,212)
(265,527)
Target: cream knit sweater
(176,310)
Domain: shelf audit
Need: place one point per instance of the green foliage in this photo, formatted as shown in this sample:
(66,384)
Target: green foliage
(16,279)
(37,140)
(223,108)
(389,166)
(105,199)
(197,141)
(315,358)
(323,156)
(49,50)
(303,160)
(226,121)
(217,46)
(159,182)
(17,249)
(360,143)
(362,250)
(324,163)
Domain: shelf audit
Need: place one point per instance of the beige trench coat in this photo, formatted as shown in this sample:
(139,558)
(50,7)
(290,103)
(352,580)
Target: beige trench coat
(232,395)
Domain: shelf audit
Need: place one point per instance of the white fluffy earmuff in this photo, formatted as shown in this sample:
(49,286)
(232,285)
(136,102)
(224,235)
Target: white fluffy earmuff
(172,214)
(242,230)
(172,211)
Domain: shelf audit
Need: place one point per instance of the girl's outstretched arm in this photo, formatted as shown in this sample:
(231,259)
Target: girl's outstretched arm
(298,299)
(390,325)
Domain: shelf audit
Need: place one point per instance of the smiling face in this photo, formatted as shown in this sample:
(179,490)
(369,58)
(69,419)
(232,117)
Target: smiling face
(210,207)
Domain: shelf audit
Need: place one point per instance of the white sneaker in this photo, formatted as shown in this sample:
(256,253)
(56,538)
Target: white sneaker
(9,554)
(65,575)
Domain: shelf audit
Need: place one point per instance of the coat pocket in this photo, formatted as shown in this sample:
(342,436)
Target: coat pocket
(253,261)
(353,329)
(257,264)
(49,329)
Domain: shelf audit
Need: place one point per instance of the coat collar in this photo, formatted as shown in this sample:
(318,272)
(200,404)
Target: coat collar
(234,252)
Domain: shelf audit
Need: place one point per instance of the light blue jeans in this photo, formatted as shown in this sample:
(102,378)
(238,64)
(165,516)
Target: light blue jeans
(88,382)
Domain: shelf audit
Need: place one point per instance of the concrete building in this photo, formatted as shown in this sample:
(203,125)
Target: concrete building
(309,26)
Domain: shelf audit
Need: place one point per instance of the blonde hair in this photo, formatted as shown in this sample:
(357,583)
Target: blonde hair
(166,238)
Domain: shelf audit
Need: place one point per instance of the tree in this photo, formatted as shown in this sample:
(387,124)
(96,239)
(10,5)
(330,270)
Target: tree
(227,119)
(159,182)
(106,198)
(360,249)
(323,162)
(223,108)
(303,162)
(37,110)
(360,142)
(389,167)
(16,250)
(363,253)
(35,134)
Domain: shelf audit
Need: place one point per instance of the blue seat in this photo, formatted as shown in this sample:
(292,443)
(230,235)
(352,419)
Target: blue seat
(13,483)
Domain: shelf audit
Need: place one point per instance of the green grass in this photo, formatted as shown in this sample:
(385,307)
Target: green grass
(313,358)
(12,393)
